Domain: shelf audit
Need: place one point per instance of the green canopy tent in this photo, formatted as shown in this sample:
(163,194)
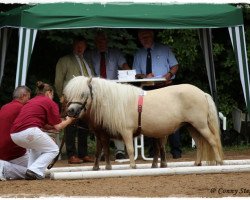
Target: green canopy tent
(203,17)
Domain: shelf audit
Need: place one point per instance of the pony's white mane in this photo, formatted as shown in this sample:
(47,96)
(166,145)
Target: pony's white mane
(111,101)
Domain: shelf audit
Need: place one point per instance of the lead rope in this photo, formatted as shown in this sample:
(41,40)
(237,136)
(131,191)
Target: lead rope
(60,150)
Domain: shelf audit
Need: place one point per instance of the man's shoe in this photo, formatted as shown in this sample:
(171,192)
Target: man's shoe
(87,159)
(30,175)
(151,154)
(176,156)
(2,178)
(120,156)
(74,160)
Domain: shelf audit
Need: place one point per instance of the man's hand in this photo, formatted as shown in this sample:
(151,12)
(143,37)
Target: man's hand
(62,99)
(168,76)
(140,76)
(150,75)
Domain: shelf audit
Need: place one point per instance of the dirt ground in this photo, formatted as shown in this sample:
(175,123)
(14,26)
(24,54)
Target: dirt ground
(195,185)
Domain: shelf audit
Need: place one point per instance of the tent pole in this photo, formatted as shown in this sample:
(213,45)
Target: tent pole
(238,41)
(26,43)
(206,43)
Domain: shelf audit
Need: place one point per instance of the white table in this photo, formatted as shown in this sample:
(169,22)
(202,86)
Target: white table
(140,80)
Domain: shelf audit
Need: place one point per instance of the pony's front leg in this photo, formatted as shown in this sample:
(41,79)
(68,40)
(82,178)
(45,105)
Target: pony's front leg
(128,140)
(159,148)
(98,151)
(105,138)
(195,135)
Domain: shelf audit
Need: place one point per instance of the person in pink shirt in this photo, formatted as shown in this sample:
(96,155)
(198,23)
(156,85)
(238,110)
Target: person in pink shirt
(12,156)
(39,113)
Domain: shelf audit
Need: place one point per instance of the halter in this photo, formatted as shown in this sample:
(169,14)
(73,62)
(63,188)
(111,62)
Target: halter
(83,105)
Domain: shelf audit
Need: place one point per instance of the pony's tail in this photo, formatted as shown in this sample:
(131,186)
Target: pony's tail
(213,123)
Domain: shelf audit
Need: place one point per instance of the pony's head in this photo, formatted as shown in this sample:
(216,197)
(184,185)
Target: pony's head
(78,94)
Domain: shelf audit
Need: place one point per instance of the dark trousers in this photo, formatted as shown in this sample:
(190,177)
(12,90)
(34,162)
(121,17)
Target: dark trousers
(73,131)
(175,143)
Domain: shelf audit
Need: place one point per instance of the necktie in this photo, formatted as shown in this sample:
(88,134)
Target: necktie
(103,65)
(83,67)
(149,62)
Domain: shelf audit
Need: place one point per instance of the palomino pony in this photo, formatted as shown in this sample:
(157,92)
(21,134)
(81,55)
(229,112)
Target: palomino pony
(103,139)
(114,107)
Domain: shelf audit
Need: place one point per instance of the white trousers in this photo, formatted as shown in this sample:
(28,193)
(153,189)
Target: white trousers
(42,149)
(16,168)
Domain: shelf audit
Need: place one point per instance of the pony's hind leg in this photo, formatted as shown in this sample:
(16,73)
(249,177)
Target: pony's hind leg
(210,138)
(195,135)
(159,148)
(212,134)
(162,142)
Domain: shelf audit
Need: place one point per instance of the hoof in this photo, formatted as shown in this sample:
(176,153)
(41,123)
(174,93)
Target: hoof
(219,163)
(108,167)
(133,166)
(197,164)
(163,165)
(154,166)
(96,168)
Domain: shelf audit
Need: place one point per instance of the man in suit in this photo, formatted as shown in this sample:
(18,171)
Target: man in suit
(106,62)
(74,64)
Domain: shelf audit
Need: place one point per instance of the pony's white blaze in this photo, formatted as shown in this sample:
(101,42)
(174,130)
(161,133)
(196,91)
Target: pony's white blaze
(114,106)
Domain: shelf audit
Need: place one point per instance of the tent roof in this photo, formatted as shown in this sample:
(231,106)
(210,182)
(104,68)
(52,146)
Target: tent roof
(122,15)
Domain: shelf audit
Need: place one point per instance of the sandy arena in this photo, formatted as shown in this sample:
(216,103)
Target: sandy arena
(195,185)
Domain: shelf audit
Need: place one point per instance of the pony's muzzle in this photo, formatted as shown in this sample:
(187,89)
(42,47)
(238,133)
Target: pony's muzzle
(73,112)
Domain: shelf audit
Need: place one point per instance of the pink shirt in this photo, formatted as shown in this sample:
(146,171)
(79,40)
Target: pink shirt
(8,149)
(37,112)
